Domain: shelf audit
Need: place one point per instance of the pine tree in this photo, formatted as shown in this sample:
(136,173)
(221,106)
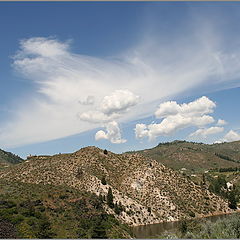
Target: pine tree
(232,200)
(105,151)
(110,198)
(117,209)
(203,180)
(103,181)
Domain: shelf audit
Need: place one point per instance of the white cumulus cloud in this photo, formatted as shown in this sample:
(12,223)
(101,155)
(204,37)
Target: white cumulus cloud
(204,132)
(112,133)
(118,101)
(221,122)
(198,107)
(230,137)
(111,107)
(176,117)
(96,117)
(141,130)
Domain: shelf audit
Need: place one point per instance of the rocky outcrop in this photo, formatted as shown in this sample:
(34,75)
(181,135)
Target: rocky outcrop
(147,191)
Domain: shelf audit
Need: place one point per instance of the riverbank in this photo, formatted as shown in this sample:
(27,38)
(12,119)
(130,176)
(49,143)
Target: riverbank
(219,213)
(155,230)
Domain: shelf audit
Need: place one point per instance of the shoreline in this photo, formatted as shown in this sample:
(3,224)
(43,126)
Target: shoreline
(219,214)
(199,217)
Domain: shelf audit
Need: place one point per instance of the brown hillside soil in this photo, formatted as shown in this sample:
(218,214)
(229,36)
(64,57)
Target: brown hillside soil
(148,191)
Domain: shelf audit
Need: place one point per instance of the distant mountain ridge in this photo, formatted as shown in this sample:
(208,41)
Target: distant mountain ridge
(8,158)
(144,191)
(195,156)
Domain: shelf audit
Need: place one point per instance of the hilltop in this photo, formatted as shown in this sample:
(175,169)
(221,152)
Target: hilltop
(195,157)
(144,190)
(8,158)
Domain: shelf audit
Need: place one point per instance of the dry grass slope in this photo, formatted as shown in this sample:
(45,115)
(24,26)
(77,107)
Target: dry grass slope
(148,191)
(195,156)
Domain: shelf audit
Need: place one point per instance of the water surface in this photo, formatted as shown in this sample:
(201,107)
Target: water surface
(157,230)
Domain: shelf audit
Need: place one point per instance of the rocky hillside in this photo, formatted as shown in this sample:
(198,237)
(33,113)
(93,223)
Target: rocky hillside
(195,156)
(46,211)
(7,158)
(144,190)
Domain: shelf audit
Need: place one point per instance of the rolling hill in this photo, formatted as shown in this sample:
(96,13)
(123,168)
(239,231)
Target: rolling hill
(144,190)
(8,158)
(195,157)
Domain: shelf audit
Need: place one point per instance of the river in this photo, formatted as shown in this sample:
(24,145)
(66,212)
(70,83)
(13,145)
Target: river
(155,230)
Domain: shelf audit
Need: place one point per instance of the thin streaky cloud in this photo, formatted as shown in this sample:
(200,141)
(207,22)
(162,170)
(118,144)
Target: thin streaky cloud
(152,71)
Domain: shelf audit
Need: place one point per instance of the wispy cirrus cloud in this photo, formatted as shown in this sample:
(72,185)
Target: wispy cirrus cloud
(68,84)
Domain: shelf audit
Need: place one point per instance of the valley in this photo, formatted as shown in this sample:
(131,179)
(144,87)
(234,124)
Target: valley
(119,190)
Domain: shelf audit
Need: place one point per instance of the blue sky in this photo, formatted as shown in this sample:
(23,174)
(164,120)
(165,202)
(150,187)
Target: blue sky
(75,74)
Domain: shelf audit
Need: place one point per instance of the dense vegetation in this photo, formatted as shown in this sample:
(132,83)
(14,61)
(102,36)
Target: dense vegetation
(219,186)
(225,228)
(226,157)
(228,169)
(38,211)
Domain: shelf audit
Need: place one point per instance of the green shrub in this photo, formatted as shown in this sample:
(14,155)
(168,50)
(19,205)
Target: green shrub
(191,214)
(183,227)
